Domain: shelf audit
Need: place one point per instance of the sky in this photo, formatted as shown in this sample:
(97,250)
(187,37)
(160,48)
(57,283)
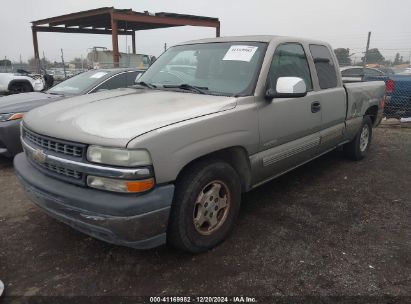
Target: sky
(343,24)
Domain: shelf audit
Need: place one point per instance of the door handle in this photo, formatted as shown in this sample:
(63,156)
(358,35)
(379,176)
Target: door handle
(315,107)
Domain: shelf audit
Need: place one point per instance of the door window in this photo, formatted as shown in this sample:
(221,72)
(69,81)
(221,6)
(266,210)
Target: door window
(289,60)
(324,65)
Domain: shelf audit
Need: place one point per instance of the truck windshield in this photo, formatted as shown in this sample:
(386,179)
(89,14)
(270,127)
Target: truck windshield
(80,83)
(224,68)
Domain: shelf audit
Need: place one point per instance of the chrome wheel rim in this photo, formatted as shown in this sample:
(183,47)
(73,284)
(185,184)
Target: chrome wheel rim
(364,138)
(211,207)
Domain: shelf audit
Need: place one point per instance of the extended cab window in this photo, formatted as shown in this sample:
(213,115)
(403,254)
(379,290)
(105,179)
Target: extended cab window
(324,65)
(289,60)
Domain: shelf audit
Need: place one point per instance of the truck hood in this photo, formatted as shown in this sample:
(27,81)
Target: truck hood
(113,118)
(24,102)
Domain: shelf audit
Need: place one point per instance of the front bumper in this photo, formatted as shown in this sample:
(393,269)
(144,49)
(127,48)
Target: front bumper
(10,144)
(122,219)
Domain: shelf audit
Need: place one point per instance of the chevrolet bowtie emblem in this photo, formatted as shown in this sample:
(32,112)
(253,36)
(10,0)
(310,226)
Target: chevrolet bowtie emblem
(39,156)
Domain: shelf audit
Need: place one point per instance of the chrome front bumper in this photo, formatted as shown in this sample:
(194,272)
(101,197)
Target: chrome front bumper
(128,220)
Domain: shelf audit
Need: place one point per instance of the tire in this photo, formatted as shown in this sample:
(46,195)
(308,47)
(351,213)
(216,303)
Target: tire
(358,147)
(212,181)
(20,87)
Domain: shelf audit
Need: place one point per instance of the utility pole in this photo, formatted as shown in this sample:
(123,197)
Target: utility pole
(82,66)
(165,46)
(64,66)
(44,61)
(21,61)
(366,50)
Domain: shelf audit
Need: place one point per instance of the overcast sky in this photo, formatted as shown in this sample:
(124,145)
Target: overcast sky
(343,25)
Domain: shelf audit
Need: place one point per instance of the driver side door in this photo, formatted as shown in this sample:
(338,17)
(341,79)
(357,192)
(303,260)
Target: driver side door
(289,127)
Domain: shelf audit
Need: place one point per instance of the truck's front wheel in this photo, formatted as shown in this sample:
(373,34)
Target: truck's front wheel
(358,147)
(205,206)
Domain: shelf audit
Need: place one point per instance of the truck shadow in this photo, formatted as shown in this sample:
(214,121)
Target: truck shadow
(6,162)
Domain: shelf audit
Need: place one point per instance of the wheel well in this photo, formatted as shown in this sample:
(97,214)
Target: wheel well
(372,112)
(237,157)
(19,82)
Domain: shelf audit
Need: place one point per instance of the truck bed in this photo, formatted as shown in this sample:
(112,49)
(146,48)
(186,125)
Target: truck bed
(362,95)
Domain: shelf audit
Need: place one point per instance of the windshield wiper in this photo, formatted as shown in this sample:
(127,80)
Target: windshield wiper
(186,86)
(147,85)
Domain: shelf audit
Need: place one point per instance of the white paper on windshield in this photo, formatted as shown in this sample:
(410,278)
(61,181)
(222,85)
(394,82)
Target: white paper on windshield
(98,75)
(240,53)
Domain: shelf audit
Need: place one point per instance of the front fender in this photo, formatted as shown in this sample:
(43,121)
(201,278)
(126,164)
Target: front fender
(173,147)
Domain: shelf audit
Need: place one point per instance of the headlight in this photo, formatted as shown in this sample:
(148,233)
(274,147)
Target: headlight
(11,116)
(118,157)
(120,185)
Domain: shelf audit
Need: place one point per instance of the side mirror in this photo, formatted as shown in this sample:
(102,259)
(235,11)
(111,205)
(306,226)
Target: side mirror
(288,87)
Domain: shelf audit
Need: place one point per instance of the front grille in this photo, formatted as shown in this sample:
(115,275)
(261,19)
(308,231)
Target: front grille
(53,145)
(63,171)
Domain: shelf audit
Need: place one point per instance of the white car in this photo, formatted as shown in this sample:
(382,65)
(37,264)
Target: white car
(21,82)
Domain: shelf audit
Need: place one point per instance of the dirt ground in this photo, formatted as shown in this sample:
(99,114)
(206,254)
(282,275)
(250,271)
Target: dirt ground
(332,227)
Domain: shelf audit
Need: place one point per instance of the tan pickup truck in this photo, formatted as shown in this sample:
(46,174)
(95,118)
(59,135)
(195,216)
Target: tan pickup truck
(167,160)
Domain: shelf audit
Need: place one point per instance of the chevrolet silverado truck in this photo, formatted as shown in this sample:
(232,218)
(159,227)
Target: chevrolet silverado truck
(167,160)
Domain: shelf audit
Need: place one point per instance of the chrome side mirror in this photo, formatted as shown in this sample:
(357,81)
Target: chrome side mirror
(288,87)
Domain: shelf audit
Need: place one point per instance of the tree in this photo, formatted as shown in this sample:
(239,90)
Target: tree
(343,56)
(5,63)
(374,56)
(44,63)
(77,62)
(398,59)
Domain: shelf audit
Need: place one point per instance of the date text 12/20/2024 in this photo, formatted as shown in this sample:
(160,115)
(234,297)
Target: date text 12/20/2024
(236,299)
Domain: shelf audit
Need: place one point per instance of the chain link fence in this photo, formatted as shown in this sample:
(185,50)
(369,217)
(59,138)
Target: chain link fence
(397,84)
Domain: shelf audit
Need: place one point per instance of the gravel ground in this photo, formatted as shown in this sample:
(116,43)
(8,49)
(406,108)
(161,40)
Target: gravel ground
(330,228)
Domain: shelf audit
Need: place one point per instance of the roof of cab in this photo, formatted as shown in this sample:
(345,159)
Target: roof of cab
(255,38)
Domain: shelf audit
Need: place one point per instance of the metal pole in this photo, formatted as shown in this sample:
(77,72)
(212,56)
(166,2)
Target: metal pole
(36,49)
(366,49)
(133,40)
(44,62)
(64,66)
(114,37)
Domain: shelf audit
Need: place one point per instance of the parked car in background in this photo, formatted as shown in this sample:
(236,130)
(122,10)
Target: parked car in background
(13,107)
(398,88)
(357,73)
(172,166)
(23,81)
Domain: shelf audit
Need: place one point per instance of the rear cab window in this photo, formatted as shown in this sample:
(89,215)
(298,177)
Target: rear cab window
(324,65)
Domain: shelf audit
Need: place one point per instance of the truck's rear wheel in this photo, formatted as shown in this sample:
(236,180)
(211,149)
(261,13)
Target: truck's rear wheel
(206,204)
(358,147)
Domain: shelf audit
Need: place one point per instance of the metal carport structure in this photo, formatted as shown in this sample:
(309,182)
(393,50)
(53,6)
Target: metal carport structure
(114,22)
